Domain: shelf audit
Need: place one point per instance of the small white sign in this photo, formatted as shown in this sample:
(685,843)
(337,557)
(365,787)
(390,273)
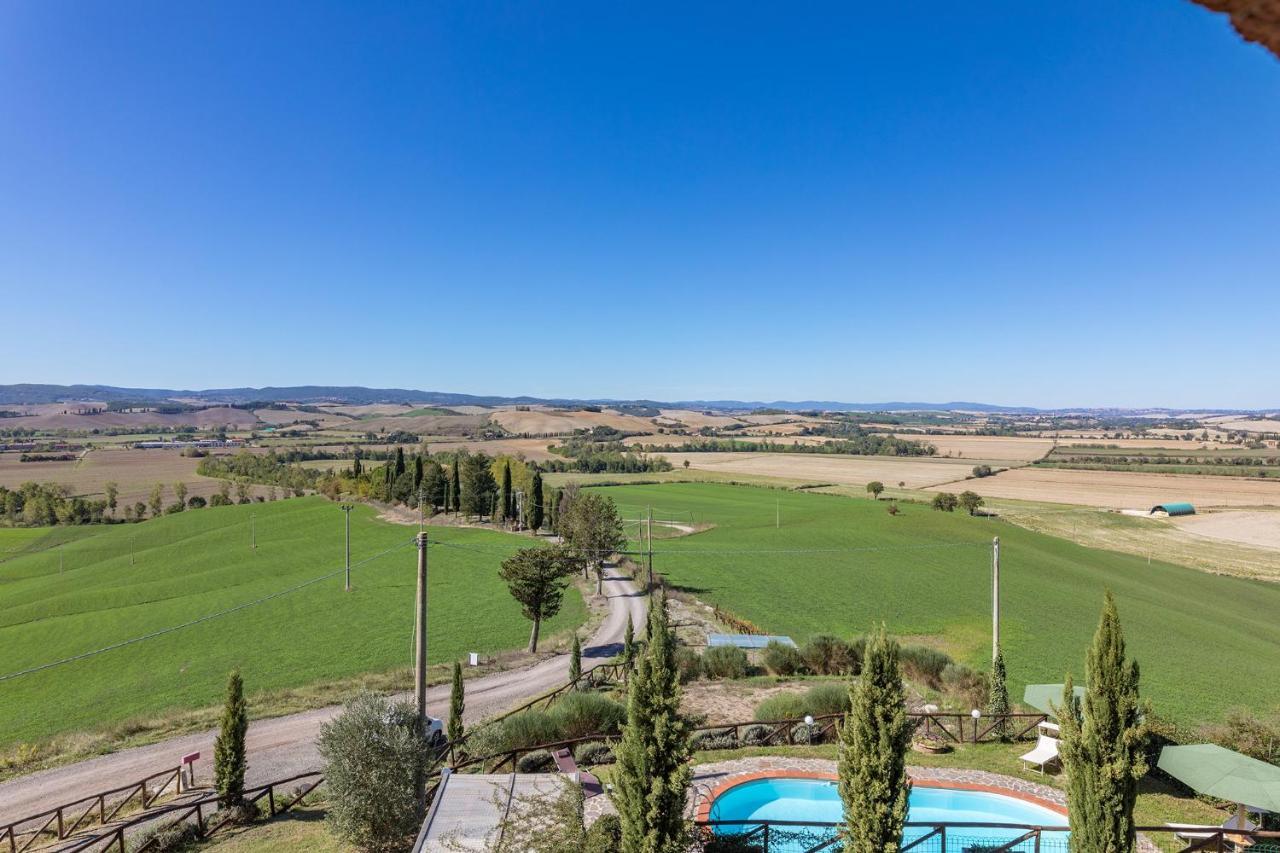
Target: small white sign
(475,658)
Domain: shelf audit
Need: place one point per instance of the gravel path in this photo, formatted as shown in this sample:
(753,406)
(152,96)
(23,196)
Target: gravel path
(283,746)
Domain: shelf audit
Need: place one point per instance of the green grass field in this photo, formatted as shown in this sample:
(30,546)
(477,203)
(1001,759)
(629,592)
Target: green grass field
(188,565)
(1205,642)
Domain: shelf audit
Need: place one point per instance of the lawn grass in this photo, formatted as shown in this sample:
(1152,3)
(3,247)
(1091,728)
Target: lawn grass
(191,564)
(1205,642)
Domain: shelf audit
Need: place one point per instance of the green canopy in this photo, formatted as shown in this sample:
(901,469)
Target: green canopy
(1222,773)
(1043,697)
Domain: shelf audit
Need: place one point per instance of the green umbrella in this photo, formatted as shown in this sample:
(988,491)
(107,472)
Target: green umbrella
(1044,697)
(1223,773)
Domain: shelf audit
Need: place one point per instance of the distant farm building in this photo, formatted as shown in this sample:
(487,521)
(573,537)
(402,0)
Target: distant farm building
(1173,509)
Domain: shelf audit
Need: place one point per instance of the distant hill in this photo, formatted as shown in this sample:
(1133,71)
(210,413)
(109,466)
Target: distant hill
(33,394)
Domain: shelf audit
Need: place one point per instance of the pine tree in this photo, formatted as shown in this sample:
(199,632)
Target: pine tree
(652,769)
(535,502)
(228,748)
(873,752)
(1104,743)
(508,497)
(456,705)
(575,660)
(998,697)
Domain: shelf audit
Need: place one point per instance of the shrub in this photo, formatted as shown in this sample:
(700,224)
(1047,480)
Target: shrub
(924,664)
(584,713)
(373,753)
(539,761)
(688,664)
(168,839)
(593,752)
(827,655)
(782,659)
(756,735)
(967,685)
(784,706)
(1247,734)
(714,739)
(196,502)
(724,662)
(604,836)
(802,733)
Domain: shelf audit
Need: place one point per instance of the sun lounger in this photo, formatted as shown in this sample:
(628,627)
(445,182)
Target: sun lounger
(591,786)
(1232,823)
(1045,752)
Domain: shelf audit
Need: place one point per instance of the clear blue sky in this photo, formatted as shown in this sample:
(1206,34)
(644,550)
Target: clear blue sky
(1013,202)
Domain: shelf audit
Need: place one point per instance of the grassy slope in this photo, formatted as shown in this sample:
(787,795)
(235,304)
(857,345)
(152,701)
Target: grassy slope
(199,562)
(1191,631)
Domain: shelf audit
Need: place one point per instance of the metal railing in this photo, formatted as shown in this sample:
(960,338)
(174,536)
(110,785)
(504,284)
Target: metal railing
(791,836)
(101,808)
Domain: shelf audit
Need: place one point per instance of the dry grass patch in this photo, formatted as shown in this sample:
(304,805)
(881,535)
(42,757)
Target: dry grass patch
(916,472)
(985,447)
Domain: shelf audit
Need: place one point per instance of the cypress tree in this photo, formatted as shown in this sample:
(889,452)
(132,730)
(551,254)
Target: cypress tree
(228,749)
(1104,743)
(998,696)
(575,660)
(417,473)
(873,752)
(535,502)
(356,468)
(508,499)
(456,705)
(400,468)
(455,484)
(653,771)
(629,643)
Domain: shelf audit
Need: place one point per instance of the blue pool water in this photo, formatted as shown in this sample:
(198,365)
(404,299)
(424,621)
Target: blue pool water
(818,801)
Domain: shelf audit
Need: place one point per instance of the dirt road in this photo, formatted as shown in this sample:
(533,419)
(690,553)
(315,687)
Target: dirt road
(283,746)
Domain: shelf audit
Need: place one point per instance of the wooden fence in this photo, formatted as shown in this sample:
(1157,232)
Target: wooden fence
(101,808)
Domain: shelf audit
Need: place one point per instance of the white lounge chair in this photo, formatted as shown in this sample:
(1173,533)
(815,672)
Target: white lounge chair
(1045,752)
(1232,823)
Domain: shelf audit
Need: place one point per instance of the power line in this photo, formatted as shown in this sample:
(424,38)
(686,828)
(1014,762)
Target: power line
(206,618)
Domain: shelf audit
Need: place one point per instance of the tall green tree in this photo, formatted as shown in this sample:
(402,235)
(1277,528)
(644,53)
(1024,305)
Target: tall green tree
(400,466)
(873,752)
(357,469)
(508,503)
(457,705)
(998,696)
(575,659)
(156,502)
(435,484)
(455,483)
(629,644)
(1104,743)
(594,527)
(536,511)
(228,749)
(113,494)
(478,485)
(417,473)
(653,770)
(536,577)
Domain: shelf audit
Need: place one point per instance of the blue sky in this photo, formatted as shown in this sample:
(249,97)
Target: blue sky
(1023,203)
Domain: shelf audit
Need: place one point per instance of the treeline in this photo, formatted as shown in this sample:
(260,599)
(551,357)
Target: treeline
(869,444)
(47,504)
(268,469)
(1162,459)
(602,451)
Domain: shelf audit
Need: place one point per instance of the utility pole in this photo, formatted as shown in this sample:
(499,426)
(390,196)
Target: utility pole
(650,538)
(995,597)
(420,657)
(346,512)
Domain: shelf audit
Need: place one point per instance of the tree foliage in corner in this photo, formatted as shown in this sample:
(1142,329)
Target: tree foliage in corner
(1104,743)
(652,770)
(873,752)
(228,749)
(373,753)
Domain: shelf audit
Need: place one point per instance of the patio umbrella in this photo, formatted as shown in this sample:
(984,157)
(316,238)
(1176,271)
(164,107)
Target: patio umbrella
(1043,697)
(1223,773)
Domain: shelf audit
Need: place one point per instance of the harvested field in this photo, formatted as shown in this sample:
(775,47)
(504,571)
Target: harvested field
(1258,528)
(533,449)
(695,420)
(1246,425)
(202,419)
(555,422)
(1119,489)
(985,447)
(134,471)
(1142,443)
(423,424)
(371,409)
(285,417)
(916,472)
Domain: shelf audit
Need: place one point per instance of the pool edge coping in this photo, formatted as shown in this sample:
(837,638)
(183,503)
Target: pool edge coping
(703,811)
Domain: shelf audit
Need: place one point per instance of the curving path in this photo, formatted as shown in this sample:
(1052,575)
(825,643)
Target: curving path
(283,746)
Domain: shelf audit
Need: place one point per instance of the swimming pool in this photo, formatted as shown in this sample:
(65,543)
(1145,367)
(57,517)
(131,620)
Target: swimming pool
(818,801)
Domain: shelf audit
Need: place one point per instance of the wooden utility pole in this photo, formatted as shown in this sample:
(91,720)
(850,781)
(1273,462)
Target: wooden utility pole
(995,597)
(420,661)
(650,538)
(346,511)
